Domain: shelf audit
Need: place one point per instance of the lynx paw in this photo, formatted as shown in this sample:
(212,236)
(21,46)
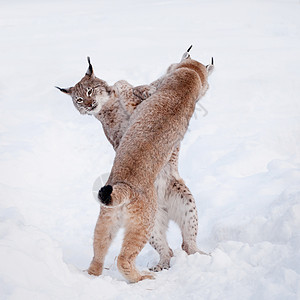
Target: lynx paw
(198,251)
(146,94)
(147,275)
(144,91)
(95,268)
(161,266)
(203,253)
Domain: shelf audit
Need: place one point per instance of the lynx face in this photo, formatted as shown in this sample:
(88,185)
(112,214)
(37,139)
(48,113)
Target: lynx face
(89,94)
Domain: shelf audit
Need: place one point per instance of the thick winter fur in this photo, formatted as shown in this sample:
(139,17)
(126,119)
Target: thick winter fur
(174,198)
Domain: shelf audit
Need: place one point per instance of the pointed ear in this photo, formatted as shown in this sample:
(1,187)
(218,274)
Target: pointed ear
(90,71)
(186,54)
(210,67)
(66,91)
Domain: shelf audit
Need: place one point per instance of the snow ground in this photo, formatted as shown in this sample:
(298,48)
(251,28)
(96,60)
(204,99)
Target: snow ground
(241,161)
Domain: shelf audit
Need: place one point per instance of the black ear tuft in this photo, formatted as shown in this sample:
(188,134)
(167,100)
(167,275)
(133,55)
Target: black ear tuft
(104,194)
(89,71)
(188,50)
(66,91)
(210,67)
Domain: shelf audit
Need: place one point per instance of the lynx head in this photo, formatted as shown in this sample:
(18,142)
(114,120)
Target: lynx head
(186,59)
(209,68)
(90,93)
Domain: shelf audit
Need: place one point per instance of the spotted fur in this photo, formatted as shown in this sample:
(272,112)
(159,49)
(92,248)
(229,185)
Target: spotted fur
(174,199)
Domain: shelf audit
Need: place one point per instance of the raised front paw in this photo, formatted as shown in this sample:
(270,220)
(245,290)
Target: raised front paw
(144,91)
(149,92)
(120,86)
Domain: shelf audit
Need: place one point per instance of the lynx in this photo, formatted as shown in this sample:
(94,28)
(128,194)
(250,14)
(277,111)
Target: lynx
(113,106)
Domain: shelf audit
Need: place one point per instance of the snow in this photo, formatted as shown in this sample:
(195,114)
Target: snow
(241,160)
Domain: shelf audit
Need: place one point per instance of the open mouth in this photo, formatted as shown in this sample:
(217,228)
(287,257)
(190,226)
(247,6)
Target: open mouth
(92,107)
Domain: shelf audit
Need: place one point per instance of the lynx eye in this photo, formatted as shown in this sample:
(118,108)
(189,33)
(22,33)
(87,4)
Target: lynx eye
(79,100)
(89,92)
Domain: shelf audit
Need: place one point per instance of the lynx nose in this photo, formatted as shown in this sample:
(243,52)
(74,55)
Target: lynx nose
(87,102)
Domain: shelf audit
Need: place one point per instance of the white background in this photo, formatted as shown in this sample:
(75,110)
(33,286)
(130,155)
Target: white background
(241,161)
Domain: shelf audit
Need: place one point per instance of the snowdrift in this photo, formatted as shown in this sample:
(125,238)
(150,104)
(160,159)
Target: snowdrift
(241,160)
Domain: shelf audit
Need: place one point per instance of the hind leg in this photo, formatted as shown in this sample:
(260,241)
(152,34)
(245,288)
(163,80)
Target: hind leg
(185,215)
(158,240)
(138,227)
(106,228)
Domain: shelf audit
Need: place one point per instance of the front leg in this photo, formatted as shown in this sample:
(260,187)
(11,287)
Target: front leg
(124,93)
(144,91)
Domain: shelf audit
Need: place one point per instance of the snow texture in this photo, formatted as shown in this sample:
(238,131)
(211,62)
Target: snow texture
(241,160)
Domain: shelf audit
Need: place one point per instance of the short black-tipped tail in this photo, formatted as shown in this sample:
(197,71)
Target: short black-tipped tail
(104,194)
